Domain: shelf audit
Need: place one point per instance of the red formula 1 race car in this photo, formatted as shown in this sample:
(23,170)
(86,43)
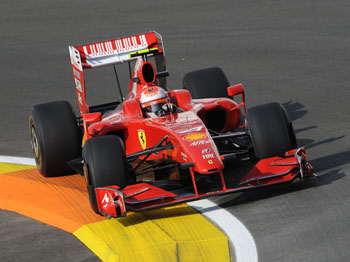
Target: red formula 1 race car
(160,147)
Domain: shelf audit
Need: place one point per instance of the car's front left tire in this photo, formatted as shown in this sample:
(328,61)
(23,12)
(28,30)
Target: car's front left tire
(105,164)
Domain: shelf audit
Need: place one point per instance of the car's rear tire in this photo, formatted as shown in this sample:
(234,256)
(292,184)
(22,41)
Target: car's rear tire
(270,130)
(55,137)
(104,165)
(206,83)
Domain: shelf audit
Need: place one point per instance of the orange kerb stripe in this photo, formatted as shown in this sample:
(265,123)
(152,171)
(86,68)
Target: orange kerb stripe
(59,201)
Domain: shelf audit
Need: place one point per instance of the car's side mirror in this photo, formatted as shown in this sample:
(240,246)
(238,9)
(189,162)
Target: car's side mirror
(92,117)
(237,90)
(183,98)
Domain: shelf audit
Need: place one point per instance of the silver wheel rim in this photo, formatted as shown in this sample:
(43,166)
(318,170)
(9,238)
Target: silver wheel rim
(35,144)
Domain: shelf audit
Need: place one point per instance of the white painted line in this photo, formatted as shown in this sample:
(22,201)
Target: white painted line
(17,160)
(242,241)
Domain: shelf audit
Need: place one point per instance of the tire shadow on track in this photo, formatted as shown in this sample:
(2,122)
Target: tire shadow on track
(309,143)
(331,161)
(295,110)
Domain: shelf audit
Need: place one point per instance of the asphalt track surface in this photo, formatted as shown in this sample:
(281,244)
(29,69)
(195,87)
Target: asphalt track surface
(293,52)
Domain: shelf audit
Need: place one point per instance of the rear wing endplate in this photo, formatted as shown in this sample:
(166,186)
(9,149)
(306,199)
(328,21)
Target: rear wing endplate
(115,51)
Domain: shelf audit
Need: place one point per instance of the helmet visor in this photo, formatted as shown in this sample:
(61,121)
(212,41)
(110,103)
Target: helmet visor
(155,109)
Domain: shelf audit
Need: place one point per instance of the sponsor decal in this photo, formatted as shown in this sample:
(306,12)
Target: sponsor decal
(206,156)
(116,46)
(80,99)
(184,156)
(210,162)
(200,142)
(195,136)
(206,150)
(78,85)
(193,129)
(142,138)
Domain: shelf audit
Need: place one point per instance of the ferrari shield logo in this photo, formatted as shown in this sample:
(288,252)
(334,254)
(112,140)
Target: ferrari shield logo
(142,138)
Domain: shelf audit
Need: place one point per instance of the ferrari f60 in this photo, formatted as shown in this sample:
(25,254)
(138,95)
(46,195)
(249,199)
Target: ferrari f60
(158,147)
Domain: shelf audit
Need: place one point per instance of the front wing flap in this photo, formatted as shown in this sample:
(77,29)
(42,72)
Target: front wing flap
(113,202)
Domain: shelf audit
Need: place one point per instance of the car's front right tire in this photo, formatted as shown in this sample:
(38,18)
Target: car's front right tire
(55,137)
(270,130)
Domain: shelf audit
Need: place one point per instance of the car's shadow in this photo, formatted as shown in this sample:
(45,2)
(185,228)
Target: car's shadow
(295,110)
(158,213)
(273,191)
(331,164)
(309,143)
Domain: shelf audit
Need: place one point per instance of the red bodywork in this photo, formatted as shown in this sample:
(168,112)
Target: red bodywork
(186,131)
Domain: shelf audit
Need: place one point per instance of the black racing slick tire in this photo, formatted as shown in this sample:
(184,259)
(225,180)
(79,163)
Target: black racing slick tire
(206,83)
(55,137)
(105,164)
(270,130)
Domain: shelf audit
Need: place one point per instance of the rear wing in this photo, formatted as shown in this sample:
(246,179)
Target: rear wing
(115,51)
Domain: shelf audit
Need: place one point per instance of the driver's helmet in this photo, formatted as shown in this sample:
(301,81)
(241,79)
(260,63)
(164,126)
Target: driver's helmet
(153,101)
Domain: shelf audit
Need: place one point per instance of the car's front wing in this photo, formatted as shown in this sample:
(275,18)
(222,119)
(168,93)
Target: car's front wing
(113,202)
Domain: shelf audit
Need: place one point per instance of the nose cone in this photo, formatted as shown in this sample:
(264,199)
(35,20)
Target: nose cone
(194,143)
